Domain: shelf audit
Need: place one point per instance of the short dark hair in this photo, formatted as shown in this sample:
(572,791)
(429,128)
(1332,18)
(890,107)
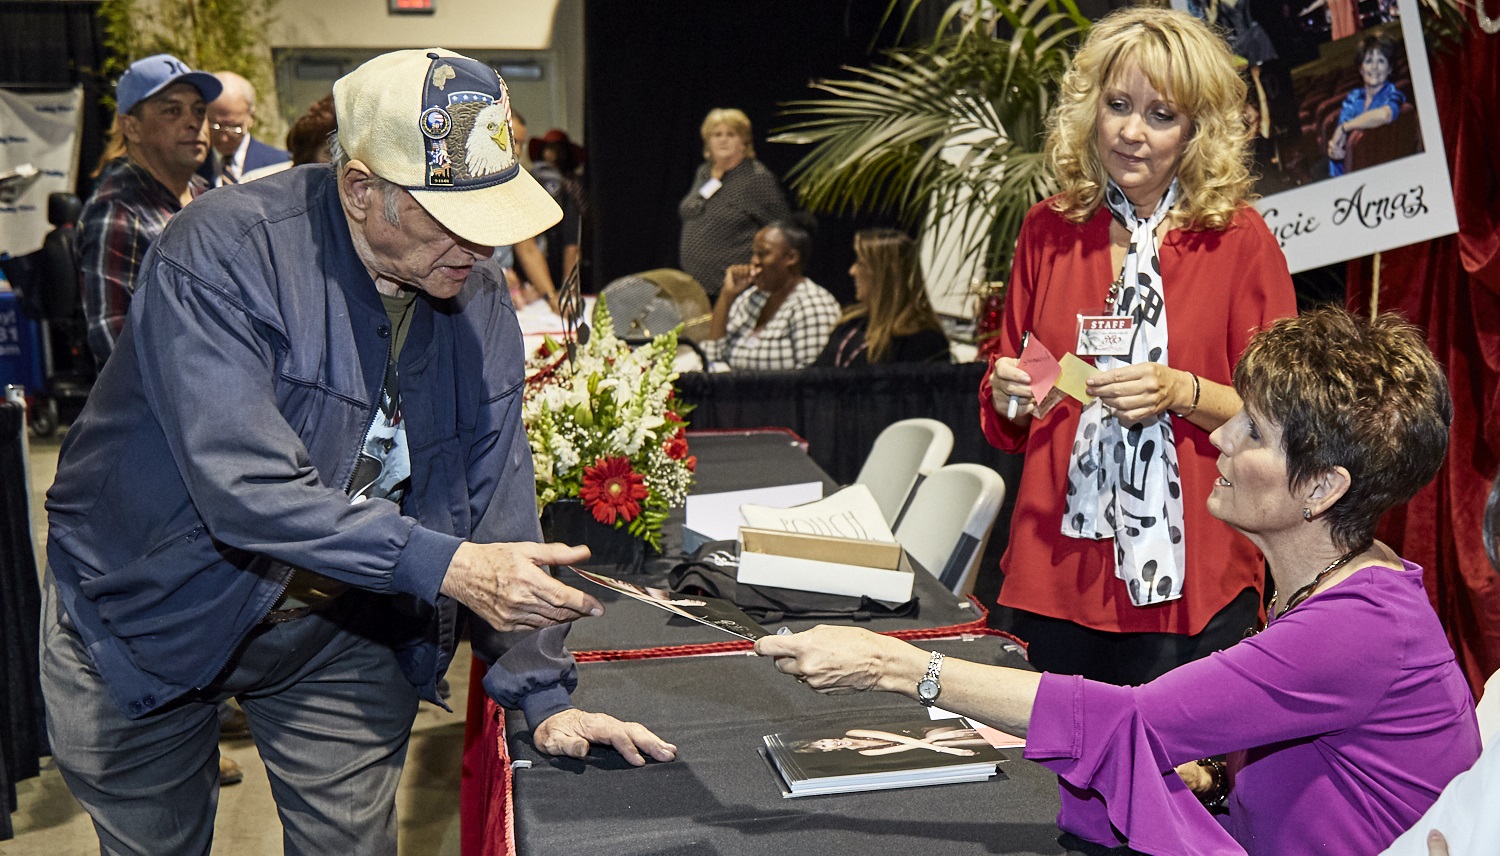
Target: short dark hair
(797,232)
(1350,392)
(1370,43)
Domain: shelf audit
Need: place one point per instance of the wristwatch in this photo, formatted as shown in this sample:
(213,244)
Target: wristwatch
(929,688)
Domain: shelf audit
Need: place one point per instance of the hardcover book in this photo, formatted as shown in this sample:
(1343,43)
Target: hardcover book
(845,757)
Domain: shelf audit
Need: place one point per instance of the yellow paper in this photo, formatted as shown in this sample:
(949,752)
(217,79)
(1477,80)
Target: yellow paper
(1075,373)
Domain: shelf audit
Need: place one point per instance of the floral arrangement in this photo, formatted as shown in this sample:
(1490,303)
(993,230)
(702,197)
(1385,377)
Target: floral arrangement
(606,427)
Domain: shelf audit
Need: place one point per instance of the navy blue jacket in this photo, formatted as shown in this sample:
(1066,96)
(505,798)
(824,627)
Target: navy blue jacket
(215,448)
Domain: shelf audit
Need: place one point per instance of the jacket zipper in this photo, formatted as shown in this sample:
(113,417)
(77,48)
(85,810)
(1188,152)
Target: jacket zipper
(369,423)
(348,484)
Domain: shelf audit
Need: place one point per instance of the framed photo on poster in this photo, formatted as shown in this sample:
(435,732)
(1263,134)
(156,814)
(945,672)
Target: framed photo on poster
(1348,153)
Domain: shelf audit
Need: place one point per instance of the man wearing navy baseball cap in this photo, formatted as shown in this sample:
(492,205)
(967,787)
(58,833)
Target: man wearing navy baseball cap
(159,105)
(306,452)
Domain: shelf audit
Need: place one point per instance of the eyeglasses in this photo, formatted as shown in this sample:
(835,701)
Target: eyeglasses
(235,130)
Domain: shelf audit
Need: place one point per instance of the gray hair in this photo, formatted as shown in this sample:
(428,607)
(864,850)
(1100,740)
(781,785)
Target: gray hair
(235,84)
(388,189)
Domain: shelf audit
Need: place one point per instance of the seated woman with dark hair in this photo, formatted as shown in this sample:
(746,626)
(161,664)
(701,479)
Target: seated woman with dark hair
(1342,719)
(1375,103)
(891,320)
(768,316)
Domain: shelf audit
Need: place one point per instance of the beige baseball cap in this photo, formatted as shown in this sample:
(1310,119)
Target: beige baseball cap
(438,124)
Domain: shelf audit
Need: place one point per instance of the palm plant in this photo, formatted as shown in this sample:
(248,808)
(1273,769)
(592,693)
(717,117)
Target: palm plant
(948,134)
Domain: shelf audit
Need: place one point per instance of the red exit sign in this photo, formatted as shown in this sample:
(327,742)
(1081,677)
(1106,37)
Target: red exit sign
(412,7)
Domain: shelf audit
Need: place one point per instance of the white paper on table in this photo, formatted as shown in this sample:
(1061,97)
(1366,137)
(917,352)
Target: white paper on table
(850,513)
(716,516)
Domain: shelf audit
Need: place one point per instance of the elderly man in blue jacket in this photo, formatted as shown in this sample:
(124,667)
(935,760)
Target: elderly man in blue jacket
(306,448)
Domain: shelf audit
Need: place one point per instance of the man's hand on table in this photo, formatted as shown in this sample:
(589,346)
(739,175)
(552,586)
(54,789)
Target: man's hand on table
(505,585)
(572,731)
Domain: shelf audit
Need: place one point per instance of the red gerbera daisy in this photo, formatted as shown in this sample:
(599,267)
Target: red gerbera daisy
(611,488)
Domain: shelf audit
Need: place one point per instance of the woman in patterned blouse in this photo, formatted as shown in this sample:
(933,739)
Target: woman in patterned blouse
(732,197)
(768,315)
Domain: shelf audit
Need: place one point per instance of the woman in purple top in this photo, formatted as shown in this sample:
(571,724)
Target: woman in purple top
(1341,720)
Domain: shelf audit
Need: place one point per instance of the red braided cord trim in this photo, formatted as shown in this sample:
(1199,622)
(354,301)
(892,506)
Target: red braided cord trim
(510,780)
(977,627)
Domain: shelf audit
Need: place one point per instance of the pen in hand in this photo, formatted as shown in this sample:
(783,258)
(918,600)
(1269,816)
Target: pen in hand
(1015,400)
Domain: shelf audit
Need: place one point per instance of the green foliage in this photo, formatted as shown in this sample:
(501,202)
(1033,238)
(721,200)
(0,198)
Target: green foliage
(1443,23)
(212,35)
(948,134)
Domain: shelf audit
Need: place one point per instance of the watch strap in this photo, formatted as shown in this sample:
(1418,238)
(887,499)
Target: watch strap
(933,675)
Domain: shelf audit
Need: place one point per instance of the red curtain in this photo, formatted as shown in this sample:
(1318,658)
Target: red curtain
(1451,288)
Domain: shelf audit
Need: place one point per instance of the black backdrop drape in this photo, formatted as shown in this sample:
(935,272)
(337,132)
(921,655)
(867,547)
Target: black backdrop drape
(57,44)
(653,71)
(22,732)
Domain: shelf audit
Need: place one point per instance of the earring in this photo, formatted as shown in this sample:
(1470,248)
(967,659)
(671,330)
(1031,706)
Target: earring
(1307,514)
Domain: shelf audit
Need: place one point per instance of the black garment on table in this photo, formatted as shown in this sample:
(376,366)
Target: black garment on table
(702,574)
(846,347)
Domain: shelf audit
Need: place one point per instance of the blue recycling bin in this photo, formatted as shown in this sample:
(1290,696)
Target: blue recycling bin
(20,347)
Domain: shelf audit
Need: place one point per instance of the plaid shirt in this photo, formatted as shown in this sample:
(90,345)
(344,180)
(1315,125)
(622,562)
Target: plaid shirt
(792,339)
(127,212)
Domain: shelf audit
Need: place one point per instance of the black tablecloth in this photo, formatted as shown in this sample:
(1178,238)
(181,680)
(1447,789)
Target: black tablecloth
(719,797)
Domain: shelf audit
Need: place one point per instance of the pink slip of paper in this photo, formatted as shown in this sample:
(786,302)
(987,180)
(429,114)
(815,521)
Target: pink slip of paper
(1041,366)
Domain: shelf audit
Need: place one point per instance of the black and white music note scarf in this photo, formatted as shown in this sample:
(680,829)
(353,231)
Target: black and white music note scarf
(1123,481)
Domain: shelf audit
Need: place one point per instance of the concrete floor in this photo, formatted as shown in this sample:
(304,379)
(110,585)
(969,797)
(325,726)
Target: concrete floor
(49,822)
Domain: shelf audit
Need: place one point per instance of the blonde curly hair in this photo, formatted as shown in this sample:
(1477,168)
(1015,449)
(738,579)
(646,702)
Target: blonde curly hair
(1194,67)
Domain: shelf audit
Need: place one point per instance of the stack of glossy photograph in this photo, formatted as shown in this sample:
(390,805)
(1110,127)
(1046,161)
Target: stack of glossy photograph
(824,759)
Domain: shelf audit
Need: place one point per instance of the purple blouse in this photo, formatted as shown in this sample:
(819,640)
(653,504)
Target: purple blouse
(1352,702)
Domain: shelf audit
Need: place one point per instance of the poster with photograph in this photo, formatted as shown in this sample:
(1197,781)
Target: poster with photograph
(1347,148)
(39,138)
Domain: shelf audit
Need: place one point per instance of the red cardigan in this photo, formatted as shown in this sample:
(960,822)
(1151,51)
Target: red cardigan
(1220,288)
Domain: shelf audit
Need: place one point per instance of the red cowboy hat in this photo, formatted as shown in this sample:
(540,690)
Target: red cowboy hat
(535,145)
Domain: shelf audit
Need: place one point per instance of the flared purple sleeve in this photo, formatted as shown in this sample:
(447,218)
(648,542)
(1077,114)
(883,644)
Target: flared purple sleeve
(1094,737)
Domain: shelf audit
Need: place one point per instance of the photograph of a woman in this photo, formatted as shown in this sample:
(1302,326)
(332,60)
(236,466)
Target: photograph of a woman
(1375,103)
(946,739)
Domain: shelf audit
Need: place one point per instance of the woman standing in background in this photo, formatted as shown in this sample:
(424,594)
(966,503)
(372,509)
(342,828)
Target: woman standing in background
(732,197)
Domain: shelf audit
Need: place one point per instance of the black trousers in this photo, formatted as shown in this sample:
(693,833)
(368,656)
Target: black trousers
(1129,659)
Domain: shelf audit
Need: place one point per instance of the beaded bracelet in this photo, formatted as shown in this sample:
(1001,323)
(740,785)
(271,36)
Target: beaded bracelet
(1219,794)
(1197,391)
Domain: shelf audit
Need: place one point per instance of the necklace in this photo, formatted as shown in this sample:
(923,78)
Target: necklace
(1114,293)
(1306,591)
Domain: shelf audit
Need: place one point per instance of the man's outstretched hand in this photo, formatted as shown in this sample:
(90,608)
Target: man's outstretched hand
(571,731)
(505,585)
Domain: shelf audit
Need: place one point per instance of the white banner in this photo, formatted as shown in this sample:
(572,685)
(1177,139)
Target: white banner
(39,134)
(1395,189)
